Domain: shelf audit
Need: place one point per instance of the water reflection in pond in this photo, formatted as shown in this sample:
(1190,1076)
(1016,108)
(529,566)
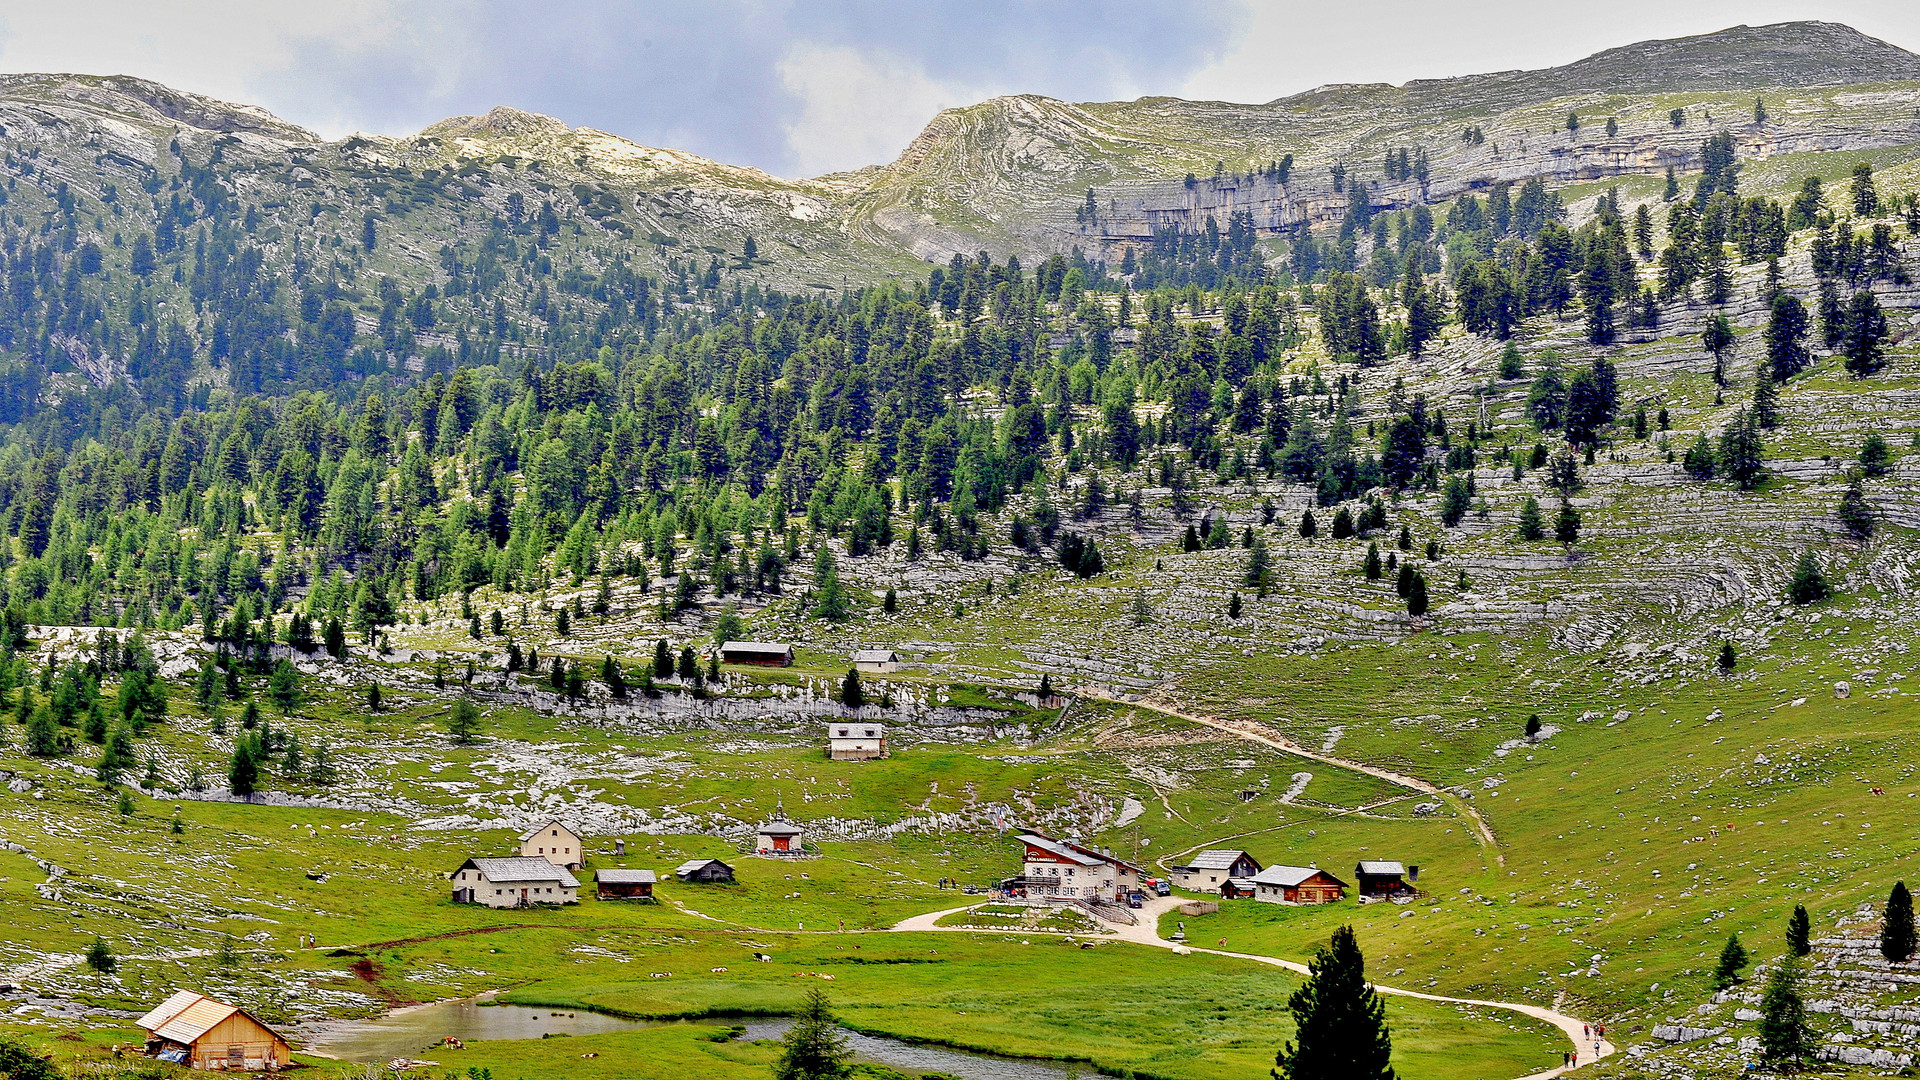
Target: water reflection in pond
(417,1032)
(413,1032)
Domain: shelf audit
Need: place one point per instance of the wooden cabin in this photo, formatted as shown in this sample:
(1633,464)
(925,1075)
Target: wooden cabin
(194,1030)
(1239,888)
(1297,885)
(616,884)
(1208,870)
(513,882)
(875,661)
(760,653)
(553,842)
(856,740)
(1384,880)
(707,871)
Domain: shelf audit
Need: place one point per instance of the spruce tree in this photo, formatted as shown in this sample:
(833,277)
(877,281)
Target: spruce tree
(1340,1022)
(1855,512)
(1800,932)
(1308,528)
(851,695)
(813,1048)
(243,772)
(1733,958)
(1417,595)
(1896,925)
(1875,456)
(662,660)
(1728,658)
(1785,1037)
(1372,566)
(1233,606)
(1566,524)
(1766,398)
(1532,526)
(1740,451)
(1809,583)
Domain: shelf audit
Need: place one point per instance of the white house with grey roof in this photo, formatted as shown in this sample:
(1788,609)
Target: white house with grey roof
(1209,870)
(876,661)
(1061,869)
(513,882)
(554,842)
(856,740)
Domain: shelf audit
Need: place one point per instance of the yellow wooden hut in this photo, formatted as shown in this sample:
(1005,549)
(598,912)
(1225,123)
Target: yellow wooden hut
(194,1030)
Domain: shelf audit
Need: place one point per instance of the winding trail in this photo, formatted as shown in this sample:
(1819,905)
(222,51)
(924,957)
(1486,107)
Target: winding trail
(1146,932)
(1253,732)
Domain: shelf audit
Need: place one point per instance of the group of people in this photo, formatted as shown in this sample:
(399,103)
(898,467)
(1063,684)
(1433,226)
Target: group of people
(1597,1032)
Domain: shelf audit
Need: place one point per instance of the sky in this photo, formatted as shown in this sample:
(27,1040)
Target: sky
(805,88)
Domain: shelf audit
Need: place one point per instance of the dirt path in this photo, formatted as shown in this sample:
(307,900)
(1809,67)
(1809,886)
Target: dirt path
(1259,734)
(1146,932)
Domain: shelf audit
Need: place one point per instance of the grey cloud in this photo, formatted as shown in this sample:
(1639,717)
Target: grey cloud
(703,76)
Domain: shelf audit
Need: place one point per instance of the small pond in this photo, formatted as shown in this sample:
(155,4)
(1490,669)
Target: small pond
(416,1032)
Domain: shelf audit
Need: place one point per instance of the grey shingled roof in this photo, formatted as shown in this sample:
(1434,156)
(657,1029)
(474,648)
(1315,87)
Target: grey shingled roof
(505,870)
(615,876)
(1381,867)
(691,865)
(1289,876)
(531,833)
(1217,859)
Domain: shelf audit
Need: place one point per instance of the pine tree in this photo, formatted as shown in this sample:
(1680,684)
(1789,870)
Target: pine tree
(1532,526)
(1856,513)
(813,1048)
(851,695)
(1800,932)
(1728,658)
(1566,524)
(1766,398)
(1733,958)
(891,604)
(1896,925)
(1875,455)
(1340,1025)
(1308,527)
(662,660)
(1809,584)
(1740,449)
(1233,606)
(243,772)
(1372,566)
(1417,595)
(1785,1037)
(1142,611)
(1786,336)
(1863,339)
(615,678)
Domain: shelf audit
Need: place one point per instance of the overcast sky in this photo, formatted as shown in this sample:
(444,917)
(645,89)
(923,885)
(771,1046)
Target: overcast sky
(801,89)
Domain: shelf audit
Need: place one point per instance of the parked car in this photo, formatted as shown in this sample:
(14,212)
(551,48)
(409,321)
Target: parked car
(1136,900)
(971,890)
(1161,887)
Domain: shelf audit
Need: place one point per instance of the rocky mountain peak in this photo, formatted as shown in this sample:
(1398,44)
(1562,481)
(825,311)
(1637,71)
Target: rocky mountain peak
(501,120)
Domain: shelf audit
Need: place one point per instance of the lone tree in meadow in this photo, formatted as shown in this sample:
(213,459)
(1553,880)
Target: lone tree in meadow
(1800,932)
(1340,1023)
(1733,958)
(813,1048)
(463,721)
(1896,925)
